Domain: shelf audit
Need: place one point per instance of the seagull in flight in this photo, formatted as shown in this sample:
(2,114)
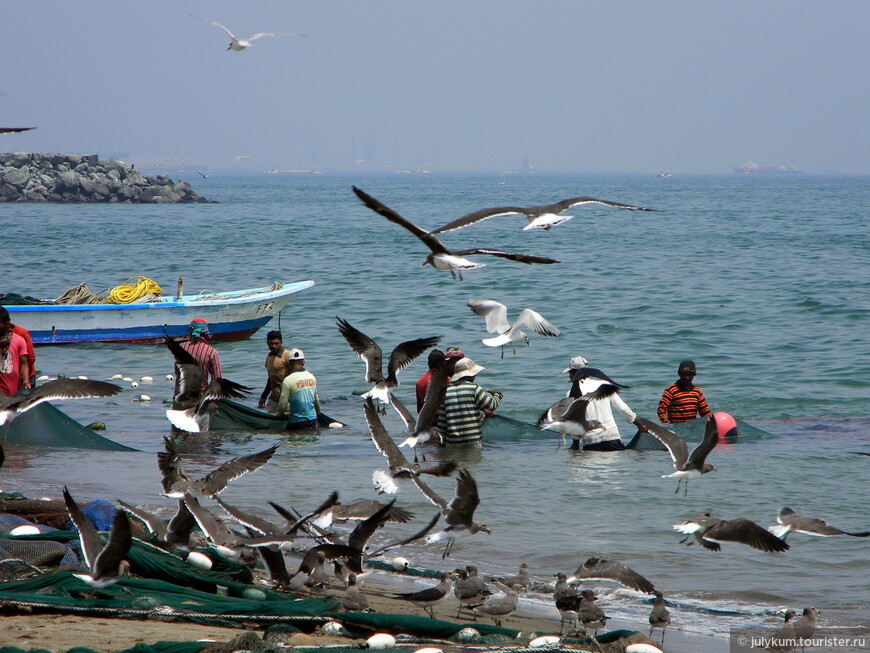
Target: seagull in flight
(459,513)
(12,407)
(440,257)
(688,467)
(495,314)
(540,217)
(14,130)
(709,531)
(568,415)
(402,356)
(106,563)
(600,569)
(790,521)
(238,44)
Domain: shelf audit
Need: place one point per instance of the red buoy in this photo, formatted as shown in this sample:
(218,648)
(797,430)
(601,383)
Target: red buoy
(726,425)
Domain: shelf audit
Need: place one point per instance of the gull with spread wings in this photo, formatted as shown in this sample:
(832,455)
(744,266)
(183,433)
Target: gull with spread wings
(440,257)
(238,44)
(495,314)
(688,467)
(543,217)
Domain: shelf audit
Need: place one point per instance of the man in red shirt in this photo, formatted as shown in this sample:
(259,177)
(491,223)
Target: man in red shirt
(682,401)
(14,364)
(31,353)
(204,353)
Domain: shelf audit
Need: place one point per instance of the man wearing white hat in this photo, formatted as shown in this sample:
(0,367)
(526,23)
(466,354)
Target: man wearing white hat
(466,405)
(298,398)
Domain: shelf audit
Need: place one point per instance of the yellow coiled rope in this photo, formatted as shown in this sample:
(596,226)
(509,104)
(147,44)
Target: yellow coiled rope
(129,292)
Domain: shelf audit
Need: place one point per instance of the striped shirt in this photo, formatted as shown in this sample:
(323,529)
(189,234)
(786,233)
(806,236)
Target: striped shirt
(678,406)
(460,416)
(208,359)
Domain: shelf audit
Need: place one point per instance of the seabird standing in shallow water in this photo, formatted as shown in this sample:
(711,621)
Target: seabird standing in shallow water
(440,257)
(106,563)
(709,531)
(495,314)
(238,44)
(790,521)
(689,467)
(539,217)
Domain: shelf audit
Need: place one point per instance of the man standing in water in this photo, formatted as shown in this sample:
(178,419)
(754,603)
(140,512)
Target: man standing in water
(586,380)
(682,401)
(298,400)
(277,369)
(465,405)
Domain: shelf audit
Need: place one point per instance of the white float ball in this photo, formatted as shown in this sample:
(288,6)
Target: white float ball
(642,648)
(127,379)
(199,560)
(332,628)
(467,635)
(335,425)
(545,640)
(381,641)
(117,376)
(44,377)
(400,563)
(429,649)
(146,379)
(24,529)
(170,377)
(142,398)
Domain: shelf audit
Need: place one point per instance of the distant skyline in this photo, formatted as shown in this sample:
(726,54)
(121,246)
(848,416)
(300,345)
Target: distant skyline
(630,86)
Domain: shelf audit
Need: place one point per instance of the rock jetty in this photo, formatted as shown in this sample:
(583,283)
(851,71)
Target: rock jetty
(33,177)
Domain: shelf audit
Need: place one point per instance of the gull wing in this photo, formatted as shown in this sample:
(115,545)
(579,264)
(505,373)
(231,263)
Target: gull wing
(365,348)
(403,411)
(536,322)
(435,393)
(746,532)
(493,312)
(360,535)
(218,480)
(711,438)
(246,519)
(169,464)
(14,130)
(558,207)
(212,527)
(66,389)
(90,539)
(216,24)
(153,523)
(383,442)
(429,493)
(382,209)
(221,388)
(464,502)
(556,411)
(260,35)
(599,568)
(189,370)
(406,352)
(120,540)
(477,216)
(675,444)
(416,536)
(521,258)
(179,527)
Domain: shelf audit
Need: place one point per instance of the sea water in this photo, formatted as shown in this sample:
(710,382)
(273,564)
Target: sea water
(762,281)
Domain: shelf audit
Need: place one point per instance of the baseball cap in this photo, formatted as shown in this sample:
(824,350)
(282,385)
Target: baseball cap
(576,363)
(296,354)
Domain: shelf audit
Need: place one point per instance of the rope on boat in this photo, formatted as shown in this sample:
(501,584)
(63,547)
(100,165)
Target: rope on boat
(207,294)
(80,294)
(127,292)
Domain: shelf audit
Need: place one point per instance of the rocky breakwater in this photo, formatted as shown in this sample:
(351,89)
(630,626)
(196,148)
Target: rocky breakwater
(33,177)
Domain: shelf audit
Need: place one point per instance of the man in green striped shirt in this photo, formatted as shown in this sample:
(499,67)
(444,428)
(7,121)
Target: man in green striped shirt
(466,404)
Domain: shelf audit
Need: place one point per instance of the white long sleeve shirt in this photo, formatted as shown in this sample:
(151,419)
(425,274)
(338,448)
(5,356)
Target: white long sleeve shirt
(600,409)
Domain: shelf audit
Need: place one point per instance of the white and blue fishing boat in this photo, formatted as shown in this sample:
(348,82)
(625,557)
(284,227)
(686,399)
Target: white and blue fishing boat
(232,315)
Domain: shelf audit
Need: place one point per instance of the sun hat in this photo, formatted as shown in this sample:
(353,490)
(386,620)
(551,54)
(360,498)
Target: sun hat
(466,368)
(454,352)
(575,364)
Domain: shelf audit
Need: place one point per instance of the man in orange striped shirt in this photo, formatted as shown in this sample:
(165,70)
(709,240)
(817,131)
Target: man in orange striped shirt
(682,401)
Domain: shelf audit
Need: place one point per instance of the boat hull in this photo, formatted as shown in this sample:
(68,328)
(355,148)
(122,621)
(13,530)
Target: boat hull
(234,315)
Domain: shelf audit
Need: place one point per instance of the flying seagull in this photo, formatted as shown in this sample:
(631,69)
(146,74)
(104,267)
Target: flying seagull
(12,407)
(238,44)
(424,429)
(440,257)
(176,483)
(540,217)
(14,130)
(709,531)
(459,513)
(600,569)
(688,467)
(568,415)
(106,563)
(495,314)
(790,521)
(402,356)
(196,406)
(398,467)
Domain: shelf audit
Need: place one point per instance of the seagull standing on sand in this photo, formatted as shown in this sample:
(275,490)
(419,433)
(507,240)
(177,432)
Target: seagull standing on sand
(431,596)
(495,314)
(499,605)
(106,563)
(12,407)
(370,352)
(238,44)
(660,617)
(790,521)
(440,257)
(540,217)
(689,467)
(709,531)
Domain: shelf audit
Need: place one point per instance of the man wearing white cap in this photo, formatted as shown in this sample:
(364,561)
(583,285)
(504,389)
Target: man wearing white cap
(298,398)
(466,404)
(585,380)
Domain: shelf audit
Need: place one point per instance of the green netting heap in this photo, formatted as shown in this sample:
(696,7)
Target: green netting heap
(233,416)
(47,426)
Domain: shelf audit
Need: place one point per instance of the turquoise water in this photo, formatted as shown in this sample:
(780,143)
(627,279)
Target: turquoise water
(762,281)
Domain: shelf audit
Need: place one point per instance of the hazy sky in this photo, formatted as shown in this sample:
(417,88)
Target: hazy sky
(572,85)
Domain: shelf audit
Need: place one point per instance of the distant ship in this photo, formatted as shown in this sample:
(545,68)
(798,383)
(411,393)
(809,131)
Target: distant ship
(664,174)
(750,168)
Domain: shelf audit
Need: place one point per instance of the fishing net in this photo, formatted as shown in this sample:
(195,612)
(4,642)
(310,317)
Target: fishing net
(232,416)
(47,426)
